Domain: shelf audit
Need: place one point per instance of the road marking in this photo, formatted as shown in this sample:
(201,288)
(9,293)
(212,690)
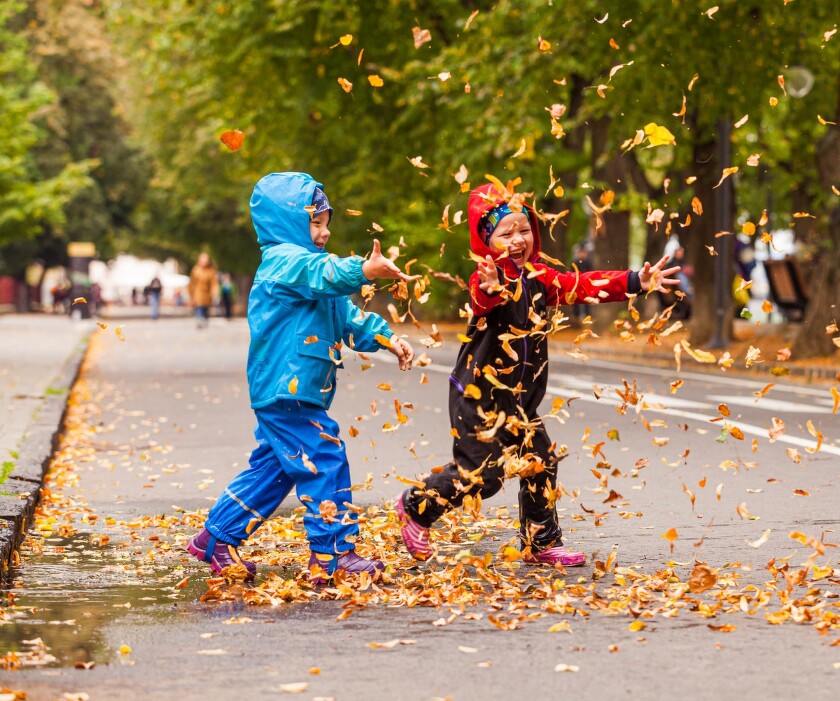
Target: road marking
(768,404)
(612,400)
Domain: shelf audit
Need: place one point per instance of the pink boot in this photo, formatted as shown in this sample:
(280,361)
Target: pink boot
(415,536)
(219,555)
(551,556)
(322,566)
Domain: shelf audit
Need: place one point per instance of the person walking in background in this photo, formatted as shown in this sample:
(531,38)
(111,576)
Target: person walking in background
(300,315)
(153,291)
(226,292)
(202,288)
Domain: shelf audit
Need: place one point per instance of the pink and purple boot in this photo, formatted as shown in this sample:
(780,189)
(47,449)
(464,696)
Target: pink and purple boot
(556,555)
(322,566)
(415,536)
(205,546)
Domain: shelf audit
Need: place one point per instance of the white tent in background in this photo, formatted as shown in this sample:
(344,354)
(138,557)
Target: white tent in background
(125,273)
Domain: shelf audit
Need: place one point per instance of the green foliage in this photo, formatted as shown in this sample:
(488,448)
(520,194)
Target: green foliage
(28,199)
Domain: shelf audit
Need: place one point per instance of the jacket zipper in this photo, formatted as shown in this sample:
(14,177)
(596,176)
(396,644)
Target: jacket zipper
(524,338)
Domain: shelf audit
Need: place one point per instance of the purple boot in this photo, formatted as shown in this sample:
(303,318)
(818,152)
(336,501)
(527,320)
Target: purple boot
(415,536)
(322,566)
(205,546)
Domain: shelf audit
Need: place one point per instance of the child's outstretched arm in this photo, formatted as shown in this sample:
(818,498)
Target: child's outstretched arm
(368,332)
(403,350)
(653,278)
(485,287)
(378,266)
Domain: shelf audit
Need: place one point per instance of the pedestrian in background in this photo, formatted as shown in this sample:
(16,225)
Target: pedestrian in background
(153,292)
(202,288)
(226,292)
(501,375)
(299,314)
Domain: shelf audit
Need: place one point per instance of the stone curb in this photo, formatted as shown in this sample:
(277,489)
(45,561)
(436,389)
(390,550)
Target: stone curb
(20,494)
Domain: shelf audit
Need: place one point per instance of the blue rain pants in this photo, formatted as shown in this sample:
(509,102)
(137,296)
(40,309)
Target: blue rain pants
(286,431)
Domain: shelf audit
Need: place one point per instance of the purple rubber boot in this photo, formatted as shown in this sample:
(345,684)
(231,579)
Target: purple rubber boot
(322,566)
(555,555)
(415,536)
(205,546)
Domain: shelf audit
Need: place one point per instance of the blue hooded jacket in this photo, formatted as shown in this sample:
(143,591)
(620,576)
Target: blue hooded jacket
(299,311)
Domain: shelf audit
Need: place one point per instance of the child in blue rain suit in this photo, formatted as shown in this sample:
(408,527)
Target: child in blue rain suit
(299,314)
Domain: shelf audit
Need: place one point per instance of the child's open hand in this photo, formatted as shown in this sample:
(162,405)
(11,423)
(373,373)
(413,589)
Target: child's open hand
(488,275)
(378,266)
(653,278)
(403,350)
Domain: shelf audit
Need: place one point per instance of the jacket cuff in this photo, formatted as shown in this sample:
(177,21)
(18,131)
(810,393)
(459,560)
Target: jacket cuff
(358,275)
(634,285)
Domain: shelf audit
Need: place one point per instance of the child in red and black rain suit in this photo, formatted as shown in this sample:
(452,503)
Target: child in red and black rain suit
(501,374)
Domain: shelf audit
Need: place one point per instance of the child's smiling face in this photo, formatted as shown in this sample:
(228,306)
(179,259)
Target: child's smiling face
(319,229)
(513,234)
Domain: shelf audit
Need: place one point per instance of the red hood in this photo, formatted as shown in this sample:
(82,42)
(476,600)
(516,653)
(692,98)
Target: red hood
(483,199)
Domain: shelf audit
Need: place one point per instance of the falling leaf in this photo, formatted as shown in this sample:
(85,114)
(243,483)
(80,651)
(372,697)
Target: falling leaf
(724,628)
(523,145)
(702,578)
(670,535)
(124,650)
(659,136)
(744,512)
(761,541)
(80,300)
(345,84)
(417,162)
(375,81)
(836,396)
(119,332)
(726,173)
(293,385)
(422,36)
(345,39)
(391,643)
(753,159)
(472,392)
(294,687)
(233,139)
(711,11)
(543,44)
(741,122)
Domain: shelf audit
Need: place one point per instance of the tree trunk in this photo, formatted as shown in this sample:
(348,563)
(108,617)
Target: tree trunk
(612,237)
(556,245)
(698,236)
(823,279)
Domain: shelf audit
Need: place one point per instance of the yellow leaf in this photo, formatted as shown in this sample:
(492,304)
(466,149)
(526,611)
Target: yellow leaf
(376,81)
(345,39)
(659,136)
(124,650)
(118,330)
(80,300)
(293,385)
(562,626)
(726,173)
(636,626)
(472,392)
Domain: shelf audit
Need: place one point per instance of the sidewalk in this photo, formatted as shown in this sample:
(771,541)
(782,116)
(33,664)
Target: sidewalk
(40,357)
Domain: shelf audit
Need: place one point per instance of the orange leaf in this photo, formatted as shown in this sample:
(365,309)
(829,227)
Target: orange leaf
(233,139)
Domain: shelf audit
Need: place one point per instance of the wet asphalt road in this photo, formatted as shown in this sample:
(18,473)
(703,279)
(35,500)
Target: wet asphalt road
(169,385)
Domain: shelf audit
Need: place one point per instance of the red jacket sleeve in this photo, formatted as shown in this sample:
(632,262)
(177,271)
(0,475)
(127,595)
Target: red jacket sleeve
(591,287)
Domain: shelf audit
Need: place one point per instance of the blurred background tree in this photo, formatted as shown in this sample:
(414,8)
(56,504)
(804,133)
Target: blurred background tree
(401,107)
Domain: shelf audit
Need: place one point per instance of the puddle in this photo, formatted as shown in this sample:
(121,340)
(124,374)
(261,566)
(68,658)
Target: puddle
(66,594)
